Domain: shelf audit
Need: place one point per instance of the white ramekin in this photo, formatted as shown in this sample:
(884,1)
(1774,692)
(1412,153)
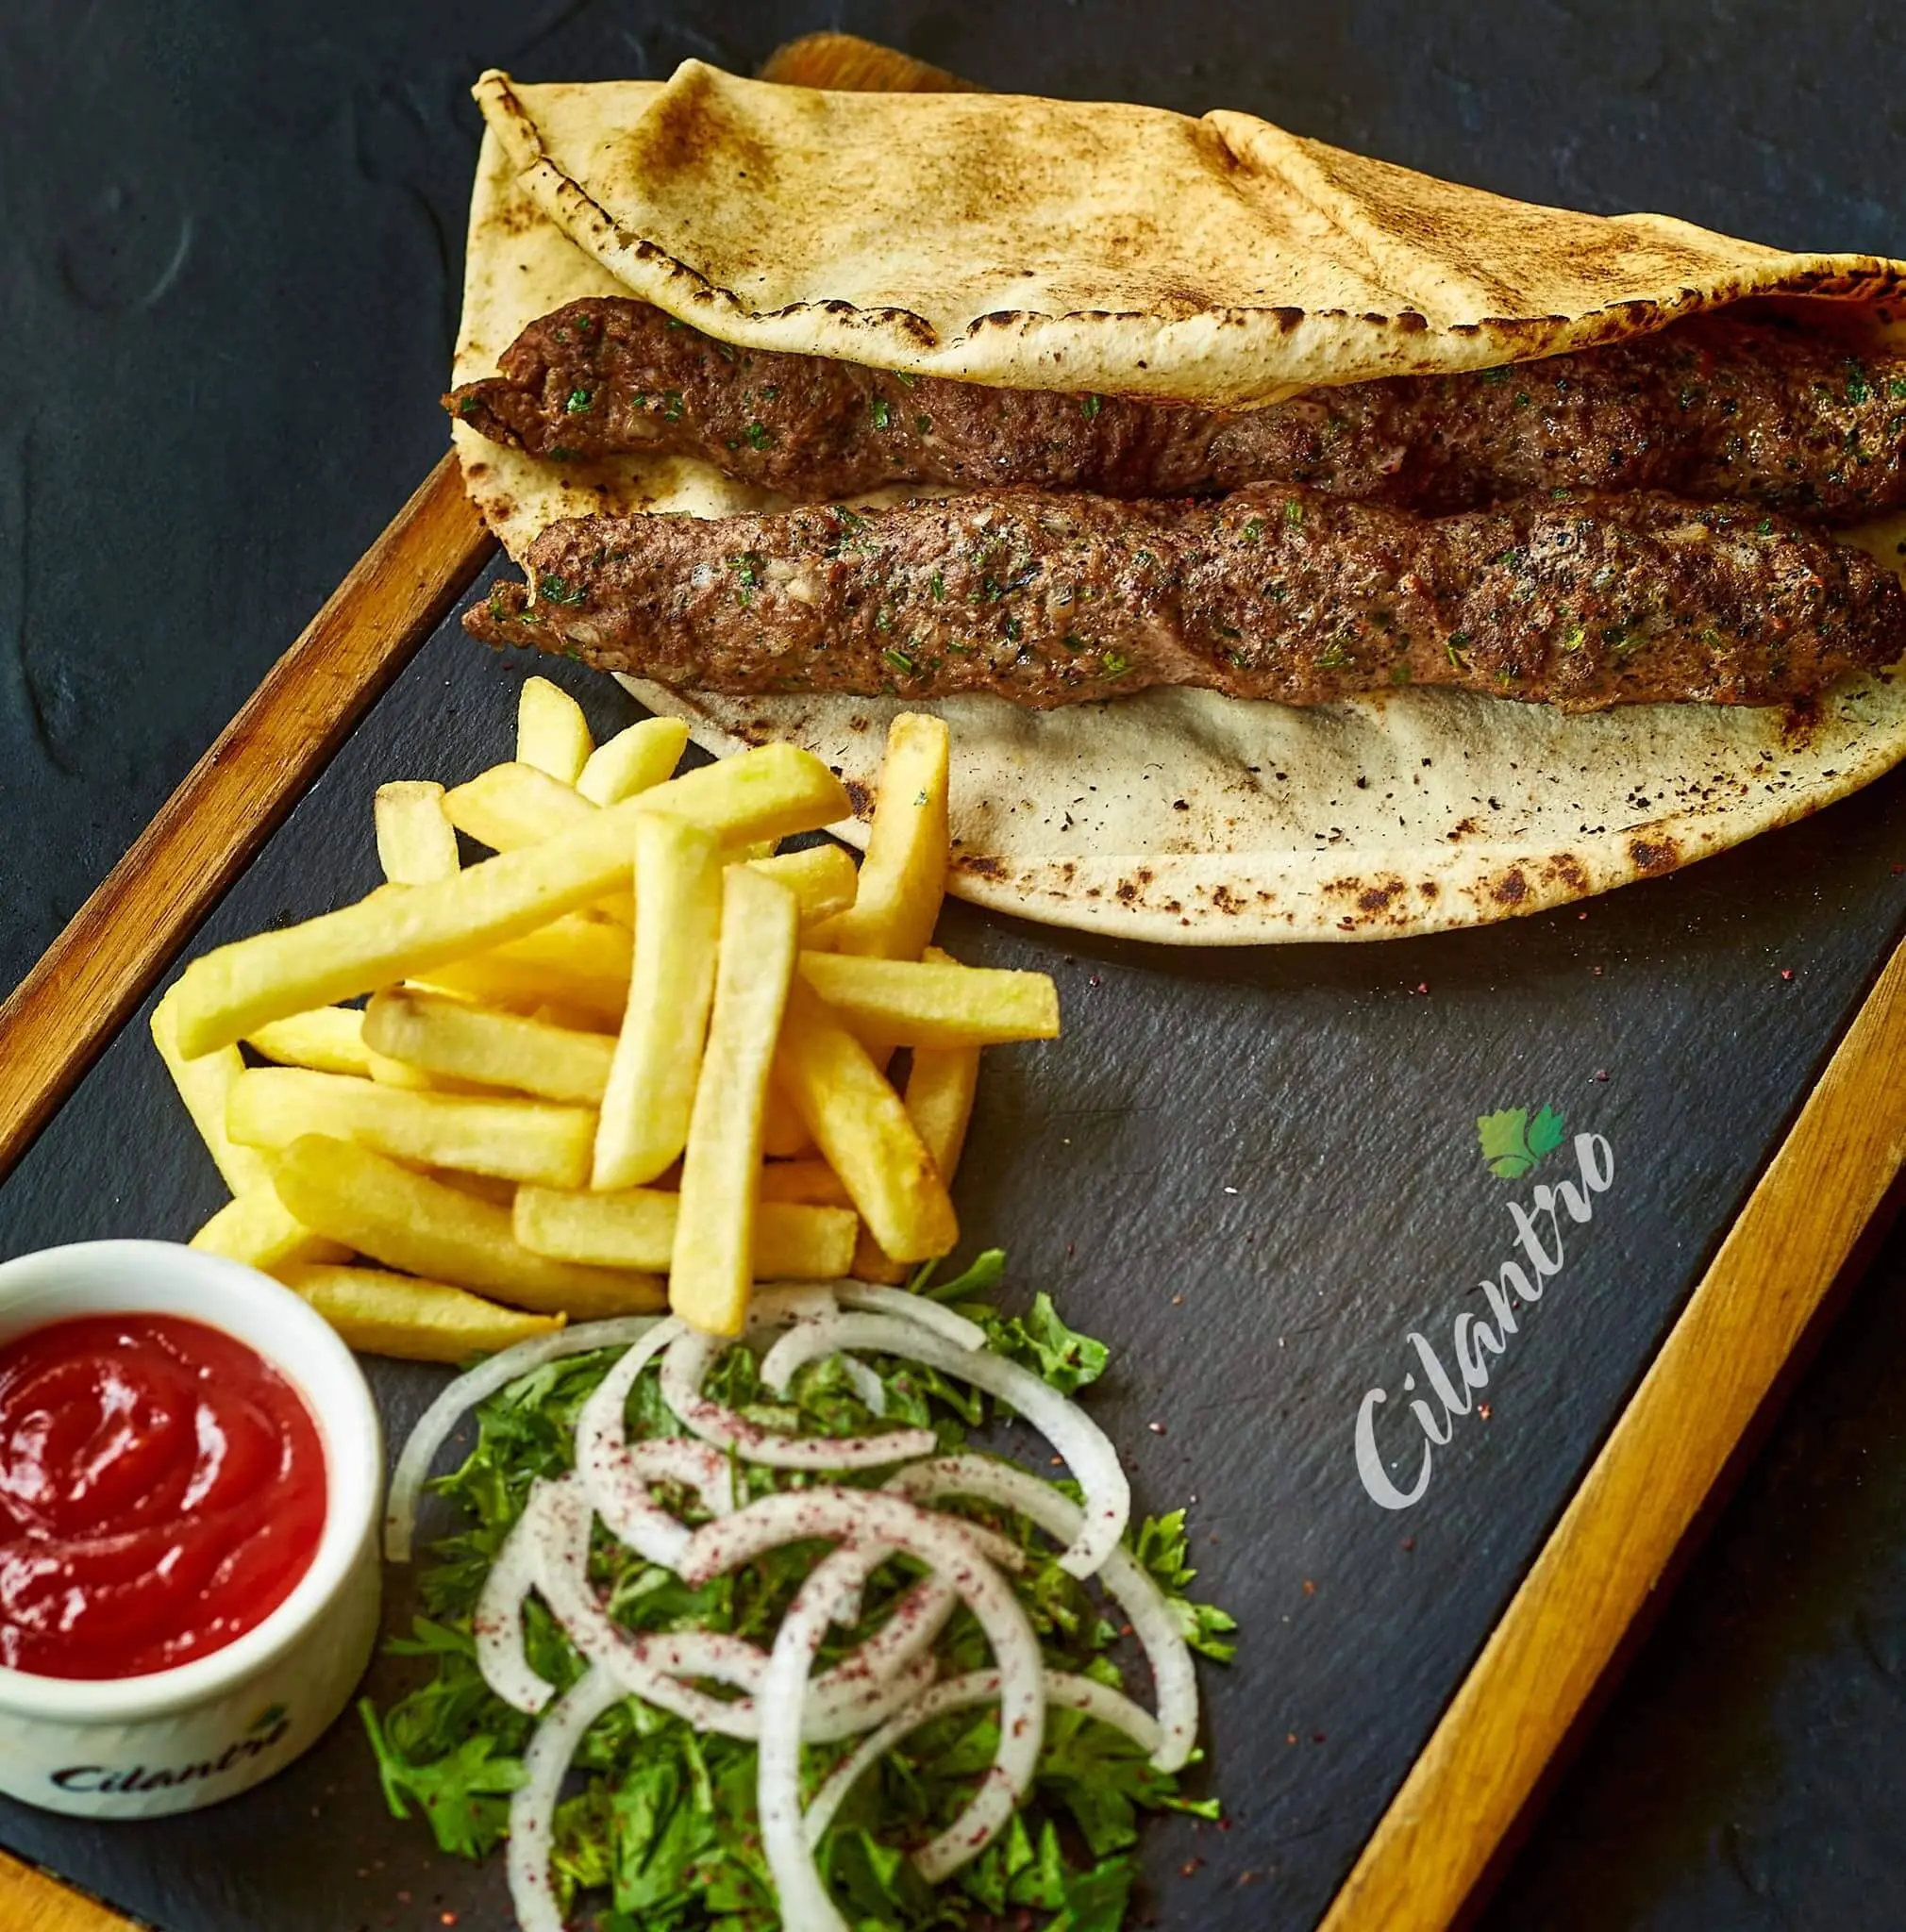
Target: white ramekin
(173,1741)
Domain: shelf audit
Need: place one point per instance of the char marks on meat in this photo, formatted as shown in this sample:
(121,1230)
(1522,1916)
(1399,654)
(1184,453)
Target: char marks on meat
(1710,407)
(1584,601)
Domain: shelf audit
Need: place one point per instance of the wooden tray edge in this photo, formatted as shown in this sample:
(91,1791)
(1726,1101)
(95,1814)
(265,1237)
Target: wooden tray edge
(58,1019)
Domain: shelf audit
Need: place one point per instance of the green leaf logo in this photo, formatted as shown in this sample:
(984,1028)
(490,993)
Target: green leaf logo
(1513,1145)
(271,1715)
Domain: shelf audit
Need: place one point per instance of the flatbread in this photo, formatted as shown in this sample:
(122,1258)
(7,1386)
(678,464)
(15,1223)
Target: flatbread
(1174,815)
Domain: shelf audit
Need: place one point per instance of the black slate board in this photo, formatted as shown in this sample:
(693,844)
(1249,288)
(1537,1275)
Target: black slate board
(1254,1173)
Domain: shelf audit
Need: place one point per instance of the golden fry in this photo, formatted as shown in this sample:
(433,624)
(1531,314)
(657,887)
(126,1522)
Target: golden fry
(204,1085)
(416,842)
(636,1228)
(418,1321)
(820,876)
(809,1183)
(450,1038)
(864,1130)
(904,876)
(482,1187)
(329,1040)
(552,735)
(633,760)
(407,1221)
(941,1084)
(714,1241)
(258,1228)
(891,1003)
(645,1109)
(513,1139)
(784,1133)
(511,805)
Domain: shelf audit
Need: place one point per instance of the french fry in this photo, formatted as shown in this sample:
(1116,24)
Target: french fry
(784,1133)
(889,1003)
(389,1073)
(450,1038)
(809,1183)
(820,876)
(258,1228)
(864,1130)
(651,1093)
(329,1040)
(633,760)
(511,805)
(714,1240)
(551,732)
(636,1228)
(204,1085)
(941,1084)
(407,1221)
(904,876)
(482,1187)
(514,1140)
(416,842)
(775,789)
(582,961)
(417,1320)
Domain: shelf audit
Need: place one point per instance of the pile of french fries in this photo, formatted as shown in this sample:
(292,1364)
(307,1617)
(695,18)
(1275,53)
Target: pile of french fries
(637,1056)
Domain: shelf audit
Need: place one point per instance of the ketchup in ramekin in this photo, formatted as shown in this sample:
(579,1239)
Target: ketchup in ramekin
(162,1491)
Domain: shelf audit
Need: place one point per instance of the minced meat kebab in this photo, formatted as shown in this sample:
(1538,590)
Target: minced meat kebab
(1637,521)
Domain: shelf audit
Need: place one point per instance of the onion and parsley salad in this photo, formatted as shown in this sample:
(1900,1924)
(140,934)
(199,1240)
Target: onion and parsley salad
(799,1653)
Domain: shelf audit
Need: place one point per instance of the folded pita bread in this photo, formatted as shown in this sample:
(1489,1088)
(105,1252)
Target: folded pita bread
(1101,247)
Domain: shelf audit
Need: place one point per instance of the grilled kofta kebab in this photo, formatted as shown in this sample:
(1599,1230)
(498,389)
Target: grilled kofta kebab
(1712,407)
(1272,592)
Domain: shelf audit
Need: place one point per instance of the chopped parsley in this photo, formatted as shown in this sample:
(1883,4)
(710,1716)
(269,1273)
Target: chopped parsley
(664,1828)
(899,660)
(1294,512)
(759,435)
(1089,407)
(579,399)
(884,416)
(555,590)
(1116,663)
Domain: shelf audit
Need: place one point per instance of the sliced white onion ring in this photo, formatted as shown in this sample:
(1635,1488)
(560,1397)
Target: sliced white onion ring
(873,1523)
(865,1384)
(1125,1581)
(436,1424)
(879,1300)
(691,1356)
(532,1808)
(962,1693)
(1085,1446)
(616,1480)
(497,1624)
(862,1689)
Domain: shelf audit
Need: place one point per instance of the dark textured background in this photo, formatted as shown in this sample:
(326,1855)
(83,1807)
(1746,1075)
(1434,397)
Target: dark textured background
(228,288)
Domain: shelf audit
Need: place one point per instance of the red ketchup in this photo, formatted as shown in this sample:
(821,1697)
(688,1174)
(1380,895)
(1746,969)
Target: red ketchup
(161,1493)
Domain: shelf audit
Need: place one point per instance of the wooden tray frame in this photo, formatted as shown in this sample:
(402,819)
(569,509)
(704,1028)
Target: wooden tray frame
(1645,1495)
